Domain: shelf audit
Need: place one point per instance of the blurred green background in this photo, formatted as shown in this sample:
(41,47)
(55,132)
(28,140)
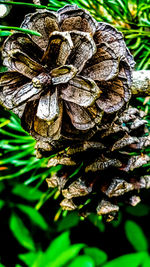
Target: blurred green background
(34,230)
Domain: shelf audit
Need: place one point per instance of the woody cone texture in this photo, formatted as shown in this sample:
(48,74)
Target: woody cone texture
(71,89)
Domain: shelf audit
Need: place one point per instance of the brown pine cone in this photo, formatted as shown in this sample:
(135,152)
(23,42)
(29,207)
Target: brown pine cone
(71,89)
(61,84)
(107,167)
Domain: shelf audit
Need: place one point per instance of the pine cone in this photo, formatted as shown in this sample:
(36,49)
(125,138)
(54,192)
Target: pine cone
(60,84)
(107,166)
(71,89)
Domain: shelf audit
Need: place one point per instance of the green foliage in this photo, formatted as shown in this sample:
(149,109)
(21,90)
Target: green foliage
(97,221)
(82,261)
(34,216)
(136,236)
(65,256)
(28,193)
(16,29)
(139,210)
(4,33)
(23,4)
(52,252)
(146,262)
(70,220)
(20,232)
(132,260)
(2,203)
(98,255)
(59,253)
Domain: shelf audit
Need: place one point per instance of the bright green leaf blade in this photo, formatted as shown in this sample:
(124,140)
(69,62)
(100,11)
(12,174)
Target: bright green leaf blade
(21,233)
(96,254)
(26,192)
(34,216)
(30,257)
(146,263)
(82,261)
(56,247)
(65,256)
(136,236)
(129,260)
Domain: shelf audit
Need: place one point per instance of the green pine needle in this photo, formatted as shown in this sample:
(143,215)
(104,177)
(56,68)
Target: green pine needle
(23,4)
(2,27)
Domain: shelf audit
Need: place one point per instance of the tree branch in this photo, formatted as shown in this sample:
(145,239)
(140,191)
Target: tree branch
(141,83)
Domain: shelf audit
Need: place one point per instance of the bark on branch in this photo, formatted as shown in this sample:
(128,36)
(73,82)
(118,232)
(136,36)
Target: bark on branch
(141,83)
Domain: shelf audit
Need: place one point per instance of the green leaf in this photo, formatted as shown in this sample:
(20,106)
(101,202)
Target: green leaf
(97,221)
(70,220)
(34,216)
(117,222)
(96,254)
(26,192)
(56,247)
(82,261)
(146,262)
(131,260)
(59,253)
(21,233)
(2,203)
(65,256)
(31,257)
(139,210)
(40,259)
(136,236)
